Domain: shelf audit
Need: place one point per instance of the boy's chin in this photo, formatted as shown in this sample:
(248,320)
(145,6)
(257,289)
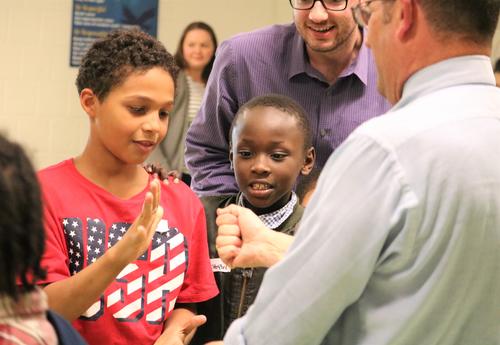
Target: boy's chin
(260,206)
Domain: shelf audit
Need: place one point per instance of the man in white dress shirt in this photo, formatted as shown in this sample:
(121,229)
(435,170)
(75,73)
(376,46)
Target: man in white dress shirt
(400,243)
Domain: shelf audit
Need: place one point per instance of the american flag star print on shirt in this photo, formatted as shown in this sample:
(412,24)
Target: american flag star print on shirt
(143,287)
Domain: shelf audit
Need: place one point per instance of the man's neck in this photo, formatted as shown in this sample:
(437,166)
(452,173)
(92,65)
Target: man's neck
(331,64)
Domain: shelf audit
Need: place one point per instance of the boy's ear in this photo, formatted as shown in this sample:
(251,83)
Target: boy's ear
(89,101)
(309,159)
(231,156)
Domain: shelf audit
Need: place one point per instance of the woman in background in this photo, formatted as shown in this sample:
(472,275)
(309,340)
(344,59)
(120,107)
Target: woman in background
(195,56)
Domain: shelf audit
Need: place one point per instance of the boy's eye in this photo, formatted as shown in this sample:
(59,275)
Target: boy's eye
(245,154)
(278,156)
(137,110)
(164,114)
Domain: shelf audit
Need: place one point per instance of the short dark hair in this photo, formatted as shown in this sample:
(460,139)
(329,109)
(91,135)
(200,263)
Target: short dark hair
(179,54)
(475,20)
(284,104)
(110,60)
(21,225)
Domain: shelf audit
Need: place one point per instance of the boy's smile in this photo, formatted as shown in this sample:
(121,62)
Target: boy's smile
(268,155)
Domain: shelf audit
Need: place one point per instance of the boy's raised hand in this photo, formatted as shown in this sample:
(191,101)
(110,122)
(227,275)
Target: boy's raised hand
(138,237)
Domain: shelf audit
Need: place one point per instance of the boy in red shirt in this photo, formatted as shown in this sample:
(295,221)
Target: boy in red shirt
(119,279)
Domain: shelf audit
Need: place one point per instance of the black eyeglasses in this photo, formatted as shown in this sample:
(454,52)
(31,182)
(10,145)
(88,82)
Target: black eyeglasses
(330,5)
(362,12)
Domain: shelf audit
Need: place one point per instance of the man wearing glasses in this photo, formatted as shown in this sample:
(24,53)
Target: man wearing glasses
(320,61)
(399,245)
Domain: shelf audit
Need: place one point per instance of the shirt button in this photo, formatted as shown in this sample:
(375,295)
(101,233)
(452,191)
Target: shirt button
(322,133)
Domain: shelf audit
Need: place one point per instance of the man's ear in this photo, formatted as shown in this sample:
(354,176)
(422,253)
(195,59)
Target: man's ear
(407,20)
(89,102)
(309,159)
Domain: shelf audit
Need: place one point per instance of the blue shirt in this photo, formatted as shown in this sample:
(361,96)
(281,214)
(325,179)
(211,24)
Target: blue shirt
(401,242)
(274,60)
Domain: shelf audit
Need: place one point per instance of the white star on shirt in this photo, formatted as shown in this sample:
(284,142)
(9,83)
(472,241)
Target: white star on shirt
(74,224)
(65,222)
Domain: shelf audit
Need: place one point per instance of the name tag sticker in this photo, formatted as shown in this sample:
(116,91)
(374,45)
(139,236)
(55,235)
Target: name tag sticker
(219,266)
(162,226)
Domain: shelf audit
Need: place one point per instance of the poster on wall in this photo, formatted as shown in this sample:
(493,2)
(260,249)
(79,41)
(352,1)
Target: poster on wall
(93,19)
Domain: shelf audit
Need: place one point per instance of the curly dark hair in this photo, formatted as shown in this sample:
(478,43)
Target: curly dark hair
(179,55)
(112,59)
(21,225)
(284,104)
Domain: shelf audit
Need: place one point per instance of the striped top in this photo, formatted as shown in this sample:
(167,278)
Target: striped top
(195,91)
(274,60)
(25,322)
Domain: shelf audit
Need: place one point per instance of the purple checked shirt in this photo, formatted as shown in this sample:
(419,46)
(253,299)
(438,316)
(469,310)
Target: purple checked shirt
(274,60)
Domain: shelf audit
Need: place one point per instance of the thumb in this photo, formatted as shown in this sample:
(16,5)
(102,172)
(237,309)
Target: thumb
(195,322)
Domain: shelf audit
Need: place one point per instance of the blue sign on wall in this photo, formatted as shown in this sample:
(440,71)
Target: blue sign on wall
(93,19)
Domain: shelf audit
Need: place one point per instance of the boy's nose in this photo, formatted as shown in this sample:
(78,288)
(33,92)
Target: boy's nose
(152,124)
(260,165)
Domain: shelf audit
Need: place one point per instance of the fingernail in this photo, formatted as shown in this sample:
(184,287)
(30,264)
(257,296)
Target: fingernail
(166,181)
(176,180)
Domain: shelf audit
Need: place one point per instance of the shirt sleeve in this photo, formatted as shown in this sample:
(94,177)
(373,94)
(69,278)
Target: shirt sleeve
(207,139)
(199,284)
(361,198)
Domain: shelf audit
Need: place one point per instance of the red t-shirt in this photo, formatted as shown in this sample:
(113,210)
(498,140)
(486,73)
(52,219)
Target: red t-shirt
(82,220)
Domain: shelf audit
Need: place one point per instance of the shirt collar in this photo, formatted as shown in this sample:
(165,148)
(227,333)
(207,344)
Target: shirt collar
(274,219)
(469,69)
(299,61)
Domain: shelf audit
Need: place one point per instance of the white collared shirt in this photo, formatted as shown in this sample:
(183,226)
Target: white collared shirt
(400,244)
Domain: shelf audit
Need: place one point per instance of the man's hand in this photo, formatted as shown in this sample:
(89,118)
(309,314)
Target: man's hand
(138,237)
(244,241)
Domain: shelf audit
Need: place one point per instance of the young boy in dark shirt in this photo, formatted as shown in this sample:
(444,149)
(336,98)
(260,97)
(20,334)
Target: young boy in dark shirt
(270,146)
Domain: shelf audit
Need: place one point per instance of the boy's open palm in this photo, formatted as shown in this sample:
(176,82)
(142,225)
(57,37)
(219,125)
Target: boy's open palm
(138,237)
